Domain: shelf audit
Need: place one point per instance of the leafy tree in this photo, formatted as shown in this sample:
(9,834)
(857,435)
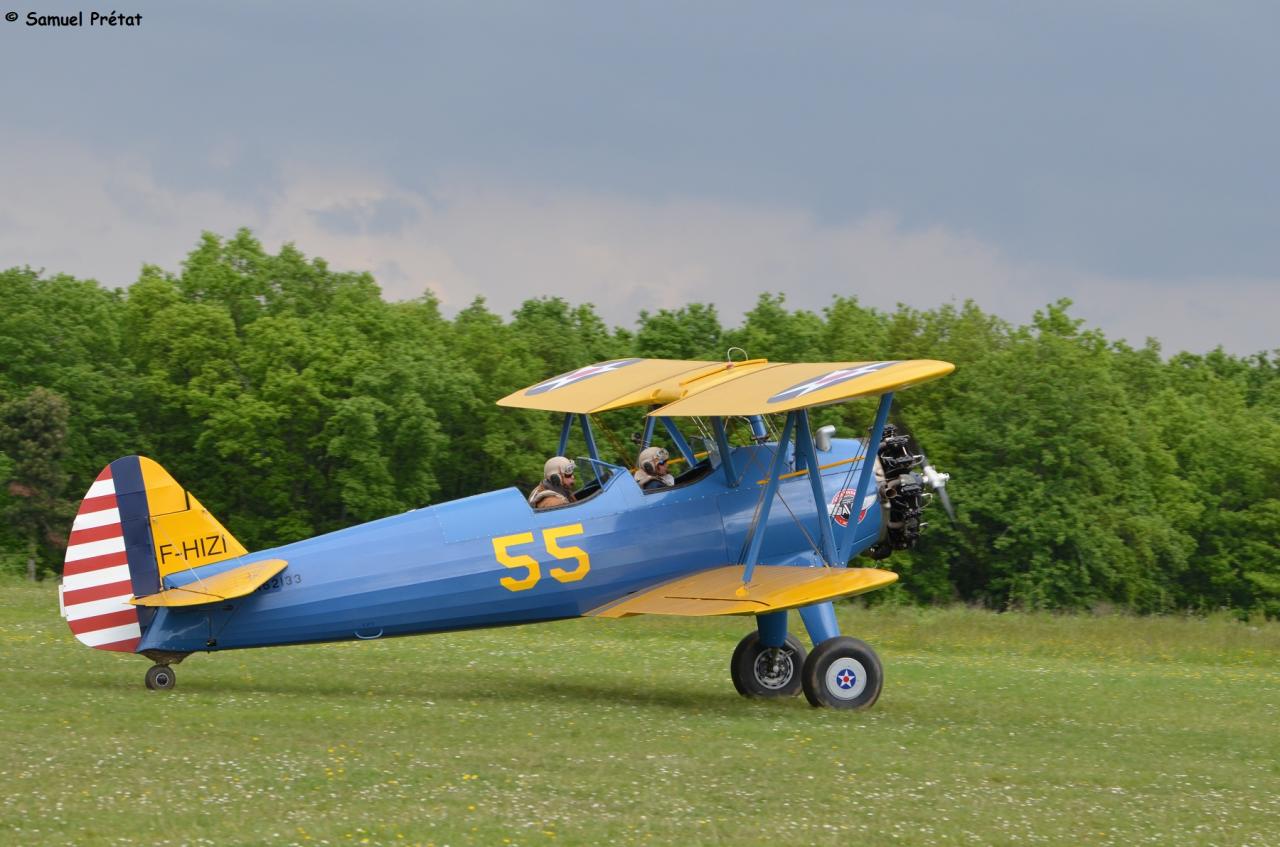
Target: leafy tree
(64,334)
(228,274)
(690,332)
(294,399)
(1059,504)
(1228,451)
(771,332)
(33,438)
(563,337)
(491,447)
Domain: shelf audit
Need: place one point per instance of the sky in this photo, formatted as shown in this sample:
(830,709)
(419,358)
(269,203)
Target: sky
(649,155)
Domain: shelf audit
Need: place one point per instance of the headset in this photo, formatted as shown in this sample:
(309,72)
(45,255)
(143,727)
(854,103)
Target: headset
(651,468)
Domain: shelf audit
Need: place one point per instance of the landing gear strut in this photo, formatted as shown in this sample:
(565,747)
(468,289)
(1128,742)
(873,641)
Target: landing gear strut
(160,678)
(760,671)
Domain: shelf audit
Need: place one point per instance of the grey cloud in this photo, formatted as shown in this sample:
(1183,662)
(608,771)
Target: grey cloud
(385,216)
(1131,143)
(1124,139)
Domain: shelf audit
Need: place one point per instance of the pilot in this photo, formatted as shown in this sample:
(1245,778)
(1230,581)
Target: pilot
(652,471)
(556,488)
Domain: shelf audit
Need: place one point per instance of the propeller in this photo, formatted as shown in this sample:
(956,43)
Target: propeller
(935,479)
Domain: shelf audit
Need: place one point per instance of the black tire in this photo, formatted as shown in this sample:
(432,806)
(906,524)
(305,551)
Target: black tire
(160,677)
(842,673)
(760,671)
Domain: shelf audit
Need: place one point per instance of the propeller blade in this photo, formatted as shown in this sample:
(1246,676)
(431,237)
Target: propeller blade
(945,498)
(938,482)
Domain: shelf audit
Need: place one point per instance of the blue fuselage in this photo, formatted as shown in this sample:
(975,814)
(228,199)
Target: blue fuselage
(441,567)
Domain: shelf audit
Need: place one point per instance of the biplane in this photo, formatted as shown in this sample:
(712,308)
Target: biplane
(756,528)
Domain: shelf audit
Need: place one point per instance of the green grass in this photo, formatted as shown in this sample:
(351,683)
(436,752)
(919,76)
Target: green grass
(992,729)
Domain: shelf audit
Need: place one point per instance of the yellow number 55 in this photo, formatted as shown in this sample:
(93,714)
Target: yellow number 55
(533,571)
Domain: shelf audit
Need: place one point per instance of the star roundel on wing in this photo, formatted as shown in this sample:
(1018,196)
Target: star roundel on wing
(577,376)
(829,379)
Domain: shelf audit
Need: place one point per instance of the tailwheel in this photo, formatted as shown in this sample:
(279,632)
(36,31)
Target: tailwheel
(760,671)
(160,678)
(842,673)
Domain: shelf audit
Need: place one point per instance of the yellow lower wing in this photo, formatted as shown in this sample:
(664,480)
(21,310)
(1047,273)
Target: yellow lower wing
(720,591)
(236,582)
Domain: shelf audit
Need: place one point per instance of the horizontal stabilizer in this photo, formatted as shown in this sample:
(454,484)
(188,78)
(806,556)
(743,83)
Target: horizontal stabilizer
(227,585)
(719,591)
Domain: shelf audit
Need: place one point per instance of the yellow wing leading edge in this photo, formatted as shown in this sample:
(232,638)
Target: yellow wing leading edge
(788,387)
(600,386)
(773,588)
(687,388)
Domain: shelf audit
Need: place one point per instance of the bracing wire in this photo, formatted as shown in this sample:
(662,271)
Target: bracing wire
(813,545)
(623,453)
(755,519)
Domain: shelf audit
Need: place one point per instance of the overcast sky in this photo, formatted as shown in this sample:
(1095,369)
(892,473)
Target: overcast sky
(648,154)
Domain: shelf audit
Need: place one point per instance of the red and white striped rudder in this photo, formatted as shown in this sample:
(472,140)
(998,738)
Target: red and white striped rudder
(96,588)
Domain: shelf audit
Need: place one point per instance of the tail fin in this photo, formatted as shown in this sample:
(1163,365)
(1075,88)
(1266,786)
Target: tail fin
(135,526)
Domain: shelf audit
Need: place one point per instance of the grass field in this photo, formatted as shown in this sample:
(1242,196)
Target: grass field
(992,729)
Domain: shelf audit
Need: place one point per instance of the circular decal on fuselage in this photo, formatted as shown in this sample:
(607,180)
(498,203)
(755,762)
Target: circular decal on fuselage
(841,505)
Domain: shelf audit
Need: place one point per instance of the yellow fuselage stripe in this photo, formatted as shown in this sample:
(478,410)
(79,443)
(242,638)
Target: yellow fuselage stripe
(820,467)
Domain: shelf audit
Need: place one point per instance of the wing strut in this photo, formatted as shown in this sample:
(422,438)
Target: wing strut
(726,452)
(805,450)
(678,440)
(647,438)
(762,519)
(590,437)
(868,467)
(798,422)
(567,427)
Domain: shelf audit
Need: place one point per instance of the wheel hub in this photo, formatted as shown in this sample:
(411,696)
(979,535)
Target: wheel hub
(774,668)
(846,678)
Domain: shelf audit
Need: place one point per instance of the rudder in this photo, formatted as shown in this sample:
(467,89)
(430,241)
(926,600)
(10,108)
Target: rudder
(134,526)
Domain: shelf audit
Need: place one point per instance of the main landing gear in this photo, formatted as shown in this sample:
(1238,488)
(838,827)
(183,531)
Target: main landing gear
(840,673)
(760,671)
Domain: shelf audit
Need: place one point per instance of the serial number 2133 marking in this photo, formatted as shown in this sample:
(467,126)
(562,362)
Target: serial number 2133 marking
(279,581)
(551,541)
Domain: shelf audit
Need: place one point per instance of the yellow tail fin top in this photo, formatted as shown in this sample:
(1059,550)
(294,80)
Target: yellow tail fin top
(183,532)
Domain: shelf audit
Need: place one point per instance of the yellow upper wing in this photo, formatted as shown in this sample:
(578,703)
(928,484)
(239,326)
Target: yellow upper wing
(693,388)
(787,387)
(719,591)
(598,387)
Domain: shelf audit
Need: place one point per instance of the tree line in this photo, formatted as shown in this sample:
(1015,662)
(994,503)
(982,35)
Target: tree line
(293,400)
